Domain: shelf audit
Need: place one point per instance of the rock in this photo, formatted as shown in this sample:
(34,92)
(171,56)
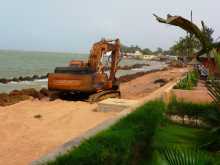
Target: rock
(162,82)
(31,92)
(35,77)
(15,93)
(43,77)
(127,78)
(15,79)
(4,81)
(4,99)
(45,92)
(28,78)
(12,98)
(21,78)
(38,116)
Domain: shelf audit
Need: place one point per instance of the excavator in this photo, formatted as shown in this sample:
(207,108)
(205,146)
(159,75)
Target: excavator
(90,78)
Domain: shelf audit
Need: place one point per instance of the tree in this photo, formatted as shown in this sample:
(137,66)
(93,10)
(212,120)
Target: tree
(130,49)
(204,35)
(158,51)
(146,51)
(207,32)
(186,46)
(133,49)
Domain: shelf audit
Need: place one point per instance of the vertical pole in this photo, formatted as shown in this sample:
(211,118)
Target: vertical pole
(191,43)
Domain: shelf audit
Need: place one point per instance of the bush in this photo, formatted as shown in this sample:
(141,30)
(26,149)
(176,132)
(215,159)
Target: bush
(189,81)
(174,155)
(208,113)
(192,110)
(127,142)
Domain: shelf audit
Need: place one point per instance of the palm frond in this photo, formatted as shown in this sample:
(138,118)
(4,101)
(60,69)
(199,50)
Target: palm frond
(176,155)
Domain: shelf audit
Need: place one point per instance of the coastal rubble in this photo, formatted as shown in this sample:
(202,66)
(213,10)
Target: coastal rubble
(40,77)
(19,79)
(16,96)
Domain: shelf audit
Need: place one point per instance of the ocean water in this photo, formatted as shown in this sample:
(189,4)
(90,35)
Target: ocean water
(20,63)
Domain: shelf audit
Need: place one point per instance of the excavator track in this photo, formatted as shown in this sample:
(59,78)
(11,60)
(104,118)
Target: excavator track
(104,95)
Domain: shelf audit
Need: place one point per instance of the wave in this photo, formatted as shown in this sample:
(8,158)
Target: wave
(41,80)
(28,82)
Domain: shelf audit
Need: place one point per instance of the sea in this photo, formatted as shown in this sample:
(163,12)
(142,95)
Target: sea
(29,63)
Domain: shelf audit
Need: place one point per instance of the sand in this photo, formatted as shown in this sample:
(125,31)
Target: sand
(24,138)
(142,86)
(199,94)
(32,128)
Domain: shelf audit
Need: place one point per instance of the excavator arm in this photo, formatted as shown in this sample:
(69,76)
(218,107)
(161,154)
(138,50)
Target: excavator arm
(97,52)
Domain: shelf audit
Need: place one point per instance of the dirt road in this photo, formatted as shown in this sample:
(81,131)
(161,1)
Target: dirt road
(141,86)
(31,129)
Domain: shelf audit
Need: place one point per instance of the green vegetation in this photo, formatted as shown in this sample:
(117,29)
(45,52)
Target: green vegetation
(147,51)
(188,45)
(202,111)
(217,57)
(188,82)
(209,114)
(146,137)
(127,142)
(185,46)
(204,36)
(178,144)
(185,156)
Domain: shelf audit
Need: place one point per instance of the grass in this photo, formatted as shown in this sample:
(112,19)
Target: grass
(127,142)
(172,134)
(189,81)
(141,137)
(202,138)
(181,137)
(192,110)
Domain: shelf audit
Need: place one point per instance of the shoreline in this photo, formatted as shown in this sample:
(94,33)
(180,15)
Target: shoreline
(45,76)
(16,96)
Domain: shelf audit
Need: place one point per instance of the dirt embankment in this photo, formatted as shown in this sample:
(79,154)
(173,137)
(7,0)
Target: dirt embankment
(16,96)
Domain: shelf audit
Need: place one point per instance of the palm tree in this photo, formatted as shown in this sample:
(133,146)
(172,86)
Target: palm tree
(204,35)
(176,155)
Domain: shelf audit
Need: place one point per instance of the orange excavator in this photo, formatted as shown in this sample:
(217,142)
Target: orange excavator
(90,78)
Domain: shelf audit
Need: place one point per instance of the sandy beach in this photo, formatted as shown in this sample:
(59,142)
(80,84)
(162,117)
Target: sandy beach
(32,128)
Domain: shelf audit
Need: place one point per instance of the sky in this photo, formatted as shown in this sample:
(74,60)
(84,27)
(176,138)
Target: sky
(73,26)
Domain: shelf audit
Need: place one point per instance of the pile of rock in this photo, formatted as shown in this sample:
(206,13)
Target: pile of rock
(129,67)
(26,78)
(135,66)
(16,96)
(130,77)
(37,77)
